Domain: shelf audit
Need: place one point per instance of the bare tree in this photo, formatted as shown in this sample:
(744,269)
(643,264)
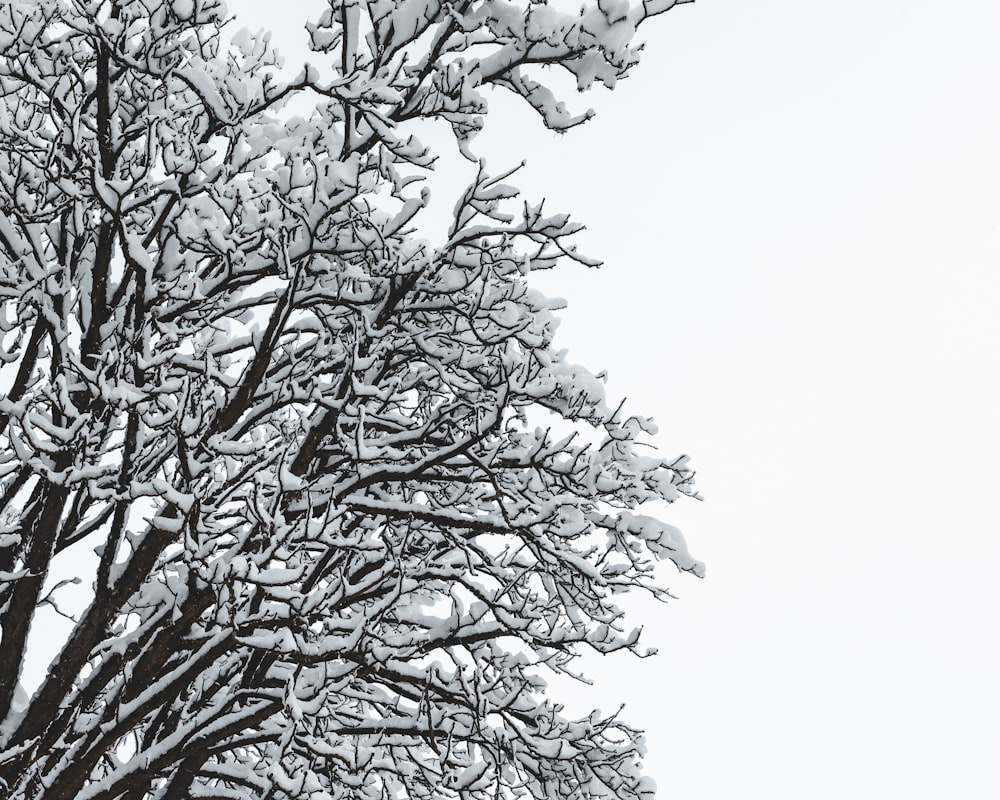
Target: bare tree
(337,539)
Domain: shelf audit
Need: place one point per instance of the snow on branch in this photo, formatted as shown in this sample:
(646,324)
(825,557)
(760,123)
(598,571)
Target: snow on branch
(335,545)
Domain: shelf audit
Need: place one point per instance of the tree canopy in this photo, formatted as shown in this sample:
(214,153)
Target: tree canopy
(348,502)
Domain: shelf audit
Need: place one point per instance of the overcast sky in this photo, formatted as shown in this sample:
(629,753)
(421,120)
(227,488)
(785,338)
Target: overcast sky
(798,204)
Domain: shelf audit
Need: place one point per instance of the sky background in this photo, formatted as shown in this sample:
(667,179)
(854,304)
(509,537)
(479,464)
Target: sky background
(798,206)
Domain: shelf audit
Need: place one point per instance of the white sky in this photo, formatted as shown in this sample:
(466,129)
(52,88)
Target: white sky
(798,204)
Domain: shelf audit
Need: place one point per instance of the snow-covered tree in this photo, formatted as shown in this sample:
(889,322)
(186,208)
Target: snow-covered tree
(348,502)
